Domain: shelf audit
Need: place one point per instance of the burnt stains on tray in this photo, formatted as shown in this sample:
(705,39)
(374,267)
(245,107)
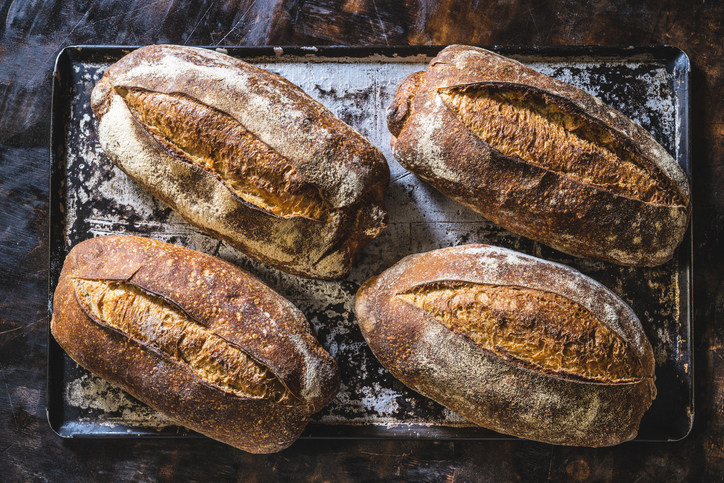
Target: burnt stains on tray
(90,197)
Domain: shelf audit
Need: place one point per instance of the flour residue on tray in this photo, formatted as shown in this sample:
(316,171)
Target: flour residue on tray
(109,403)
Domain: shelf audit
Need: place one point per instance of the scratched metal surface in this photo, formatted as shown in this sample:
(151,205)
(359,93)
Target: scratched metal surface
(90,197)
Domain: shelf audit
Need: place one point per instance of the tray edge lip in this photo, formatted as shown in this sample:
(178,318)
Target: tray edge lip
(658,51)
(683,63)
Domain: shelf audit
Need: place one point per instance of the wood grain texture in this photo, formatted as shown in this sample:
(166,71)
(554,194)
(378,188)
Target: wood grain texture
(33,32)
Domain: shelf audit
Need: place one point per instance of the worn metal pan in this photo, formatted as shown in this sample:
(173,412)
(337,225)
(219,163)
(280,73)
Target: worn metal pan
(89,197)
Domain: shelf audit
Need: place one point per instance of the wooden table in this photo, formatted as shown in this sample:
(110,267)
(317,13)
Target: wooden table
(34,32)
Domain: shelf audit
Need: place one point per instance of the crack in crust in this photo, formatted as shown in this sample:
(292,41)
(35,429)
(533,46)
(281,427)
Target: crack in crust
(215,141)
(528,125)
(158,325)
(541,330)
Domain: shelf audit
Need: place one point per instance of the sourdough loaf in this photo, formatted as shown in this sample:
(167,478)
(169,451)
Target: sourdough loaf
(516,344)
(540,157)
(194,337)
(244,155)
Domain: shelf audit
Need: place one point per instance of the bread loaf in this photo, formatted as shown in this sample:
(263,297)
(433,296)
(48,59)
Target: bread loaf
(244,155)
(194,337)
(540,157)
(514,343)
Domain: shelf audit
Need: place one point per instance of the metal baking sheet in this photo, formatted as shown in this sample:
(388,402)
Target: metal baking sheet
(90,197)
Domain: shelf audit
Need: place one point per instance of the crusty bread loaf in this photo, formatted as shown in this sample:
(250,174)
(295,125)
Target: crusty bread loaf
(514,343)
(194,337)
(244,155)
(540,157)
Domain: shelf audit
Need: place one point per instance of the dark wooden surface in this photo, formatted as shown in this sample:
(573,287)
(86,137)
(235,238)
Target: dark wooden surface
(32,32)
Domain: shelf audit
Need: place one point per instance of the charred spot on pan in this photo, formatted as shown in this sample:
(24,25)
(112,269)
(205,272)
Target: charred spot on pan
(541,330)
(155,323)
(550,132)
(215,141)
(350,104)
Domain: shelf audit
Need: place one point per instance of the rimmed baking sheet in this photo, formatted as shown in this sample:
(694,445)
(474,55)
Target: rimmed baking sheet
(90,197)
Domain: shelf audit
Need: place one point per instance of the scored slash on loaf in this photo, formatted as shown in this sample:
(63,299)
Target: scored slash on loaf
(244,155)
(514,343)
(194,337)
(540,157)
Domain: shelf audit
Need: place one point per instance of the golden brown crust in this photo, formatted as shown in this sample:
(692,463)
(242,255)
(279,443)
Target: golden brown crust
(540,329)
(429,346)
(244,155)
(199,317)
(541,158)
(215,141)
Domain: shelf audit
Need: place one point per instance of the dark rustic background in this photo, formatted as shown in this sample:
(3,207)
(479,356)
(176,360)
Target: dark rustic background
(32,33)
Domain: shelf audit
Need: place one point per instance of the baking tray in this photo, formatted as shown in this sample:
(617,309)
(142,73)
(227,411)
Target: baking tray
(90,197)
